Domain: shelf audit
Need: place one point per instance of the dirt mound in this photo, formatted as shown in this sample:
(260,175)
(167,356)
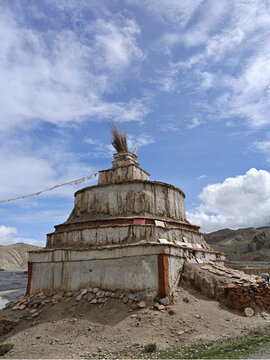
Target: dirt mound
(88,330)
(15,256)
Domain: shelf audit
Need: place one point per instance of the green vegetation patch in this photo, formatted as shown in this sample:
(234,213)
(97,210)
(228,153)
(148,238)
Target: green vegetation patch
(230,348)
(150,348)
(4,348)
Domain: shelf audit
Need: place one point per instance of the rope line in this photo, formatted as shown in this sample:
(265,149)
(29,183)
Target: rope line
(73,182)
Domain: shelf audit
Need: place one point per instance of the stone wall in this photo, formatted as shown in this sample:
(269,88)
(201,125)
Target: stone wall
(109,235)
(233,288)
(123,173)
(150,268)
(132,198)
(254,295)
(113,274)
(208,284)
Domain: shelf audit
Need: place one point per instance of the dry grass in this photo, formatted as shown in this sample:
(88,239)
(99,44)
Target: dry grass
(119,141)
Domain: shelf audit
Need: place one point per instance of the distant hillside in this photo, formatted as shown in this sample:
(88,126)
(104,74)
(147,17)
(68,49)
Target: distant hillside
(15,256)
(247,245)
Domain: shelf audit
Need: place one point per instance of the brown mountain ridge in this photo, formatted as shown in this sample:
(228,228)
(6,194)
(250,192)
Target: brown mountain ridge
(245,245)
(14,257)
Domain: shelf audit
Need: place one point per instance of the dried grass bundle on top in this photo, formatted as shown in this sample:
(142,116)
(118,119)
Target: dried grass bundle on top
(119,141)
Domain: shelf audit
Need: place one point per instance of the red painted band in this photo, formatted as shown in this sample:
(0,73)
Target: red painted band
(116,222)
(163,276)
(30,268)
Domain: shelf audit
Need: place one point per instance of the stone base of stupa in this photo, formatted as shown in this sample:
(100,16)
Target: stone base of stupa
(151,268)
(126,233)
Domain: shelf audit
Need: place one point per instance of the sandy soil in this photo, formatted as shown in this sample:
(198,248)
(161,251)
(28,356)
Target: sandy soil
(93,330)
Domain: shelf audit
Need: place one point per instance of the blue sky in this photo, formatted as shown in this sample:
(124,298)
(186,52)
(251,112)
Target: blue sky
(188,80)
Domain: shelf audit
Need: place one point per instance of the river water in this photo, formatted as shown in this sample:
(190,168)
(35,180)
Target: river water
(12,286)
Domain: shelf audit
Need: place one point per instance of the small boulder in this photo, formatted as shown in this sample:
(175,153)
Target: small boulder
(141,305)
(139,297)
(79,297)
(165,301)
(118,294)
(125,299)
(249,311)
(90,297)
(264,315)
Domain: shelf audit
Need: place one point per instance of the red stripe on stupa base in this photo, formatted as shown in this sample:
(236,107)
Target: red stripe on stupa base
(163,276)
(30,268)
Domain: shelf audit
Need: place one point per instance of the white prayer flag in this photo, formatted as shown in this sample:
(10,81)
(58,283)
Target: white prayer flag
(159,223)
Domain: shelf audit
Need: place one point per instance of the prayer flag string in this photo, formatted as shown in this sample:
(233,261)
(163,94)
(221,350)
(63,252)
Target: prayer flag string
(73,182)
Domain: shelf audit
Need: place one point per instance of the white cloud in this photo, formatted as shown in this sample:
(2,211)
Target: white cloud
(230,57)
(33,216)
(91,141)
(26,169)
(102,150)
(193,123)
(6,234)
(7,237)
(203,176)
(263,146)
(242,201)
(115,43)
(207,80)
(73,5)
(107,150)
(170,126)
(167,80)
(140,140)
(61,77)
(176,12)
(209,15)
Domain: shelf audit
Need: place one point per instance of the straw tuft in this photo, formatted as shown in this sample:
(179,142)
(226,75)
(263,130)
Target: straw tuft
(119,141)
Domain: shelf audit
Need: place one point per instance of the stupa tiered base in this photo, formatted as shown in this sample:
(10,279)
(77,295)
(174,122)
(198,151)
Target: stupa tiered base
(126,233)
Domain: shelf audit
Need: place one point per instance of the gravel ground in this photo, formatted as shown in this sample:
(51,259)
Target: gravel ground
(96,330)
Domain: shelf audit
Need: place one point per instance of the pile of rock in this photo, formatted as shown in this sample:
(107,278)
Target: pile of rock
(254,294)
(233,288)
(32,304)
